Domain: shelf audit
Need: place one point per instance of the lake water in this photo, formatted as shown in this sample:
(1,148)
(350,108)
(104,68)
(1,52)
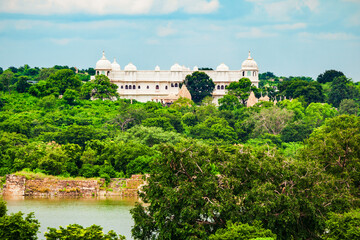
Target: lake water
(110,213)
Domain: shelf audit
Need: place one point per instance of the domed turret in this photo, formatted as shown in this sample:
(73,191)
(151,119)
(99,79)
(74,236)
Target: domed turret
(196,68)
(130,67)
(222,67)
(115,66)
(103,64)
(157,68)
(176,67)
(249,64)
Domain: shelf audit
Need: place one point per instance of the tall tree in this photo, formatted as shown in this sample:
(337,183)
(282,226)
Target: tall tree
(241,89)
(199,85)
(64,79)
(342,88)
(329,76)
(100,88)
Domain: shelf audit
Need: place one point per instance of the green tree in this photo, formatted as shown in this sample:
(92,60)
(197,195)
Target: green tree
(64,79)
(99,88)
(335,146)
(7,79)
(187,199)
(229,102)
(161,122)
(343,226)
(271,120)
(348,106)
(240,231)
(15,226)
(22,84)
(45,73)
(329,76)
(342,88)
(76,231)
(70,96)
(200,85)
(317,113)
(241,89)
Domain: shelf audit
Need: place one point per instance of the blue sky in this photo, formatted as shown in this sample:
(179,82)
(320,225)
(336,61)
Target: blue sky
(287,37)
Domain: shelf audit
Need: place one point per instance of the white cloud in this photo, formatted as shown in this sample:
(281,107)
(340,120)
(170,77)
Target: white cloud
(328,36)
(282,9)
(293,26)
(62,41)
(102,7)
(167,30)
(255,33)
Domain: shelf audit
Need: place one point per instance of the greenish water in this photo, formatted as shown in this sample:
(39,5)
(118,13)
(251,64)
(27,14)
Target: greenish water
(110,213)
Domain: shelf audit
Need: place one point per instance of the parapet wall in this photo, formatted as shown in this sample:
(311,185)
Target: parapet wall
(50,187)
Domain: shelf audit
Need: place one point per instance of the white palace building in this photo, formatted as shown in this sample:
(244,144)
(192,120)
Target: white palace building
(163,85)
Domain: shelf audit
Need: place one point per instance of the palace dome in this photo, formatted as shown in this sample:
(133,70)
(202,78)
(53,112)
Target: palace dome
(115,66)
(249,64)
(130,67)
(222,67)
(103,63)
(196,68)
(176,67)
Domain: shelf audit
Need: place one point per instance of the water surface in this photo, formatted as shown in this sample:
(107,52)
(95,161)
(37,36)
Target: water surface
(110,213)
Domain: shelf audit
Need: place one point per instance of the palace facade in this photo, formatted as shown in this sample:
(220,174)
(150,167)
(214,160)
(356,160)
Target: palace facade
(159,85)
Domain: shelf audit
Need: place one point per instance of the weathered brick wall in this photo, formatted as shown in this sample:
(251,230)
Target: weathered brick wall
(55,187)
(20,186)
(14,186)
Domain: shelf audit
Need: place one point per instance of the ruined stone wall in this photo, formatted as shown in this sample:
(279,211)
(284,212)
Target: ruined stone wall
(50,187)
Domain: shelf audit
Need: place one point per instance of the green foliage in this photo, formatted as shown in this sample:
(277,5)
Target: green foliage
(229,102)
(240,231)
(335,146)
(64,79)
(343,226)
(342,88)
(99,88)
(348,106)
(159,122)
(76,231)
(15,226)
(309,91)
(271,120)
(199,85)
(329,76)
(241,90)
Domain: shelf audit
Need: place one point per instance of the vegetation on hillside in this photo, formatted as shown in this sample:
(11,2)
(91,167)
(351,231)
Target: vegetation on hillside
(284,171)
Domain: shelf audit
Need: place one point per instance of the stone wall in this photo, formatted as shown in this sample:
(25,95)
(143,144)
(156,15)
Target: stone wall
(52,186)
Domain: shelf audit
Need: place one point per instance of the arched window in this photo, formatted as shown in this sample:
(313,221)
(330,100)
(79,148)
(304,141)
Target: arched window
(122,87)
(107,73)
(129,86)
(134,87)
(176,85)
(97,72)
(147,87)
(218,87)
(138,87)
(157,87)
(222,87)
(165,87)
(172,85)
(243,74)
(126,86)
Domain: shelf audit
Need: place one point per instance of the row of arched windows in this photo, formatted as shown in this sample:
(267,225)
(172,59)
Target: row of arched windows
(222,87)
(157,87)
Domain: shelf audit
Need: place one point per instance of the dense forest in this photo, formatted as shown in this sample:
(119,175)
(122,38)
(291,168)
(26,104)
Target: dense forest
(288,170)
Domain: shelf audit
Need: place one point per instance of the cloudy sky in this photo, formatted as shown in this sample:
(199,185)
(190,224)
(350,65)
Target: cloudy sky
(287,37)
